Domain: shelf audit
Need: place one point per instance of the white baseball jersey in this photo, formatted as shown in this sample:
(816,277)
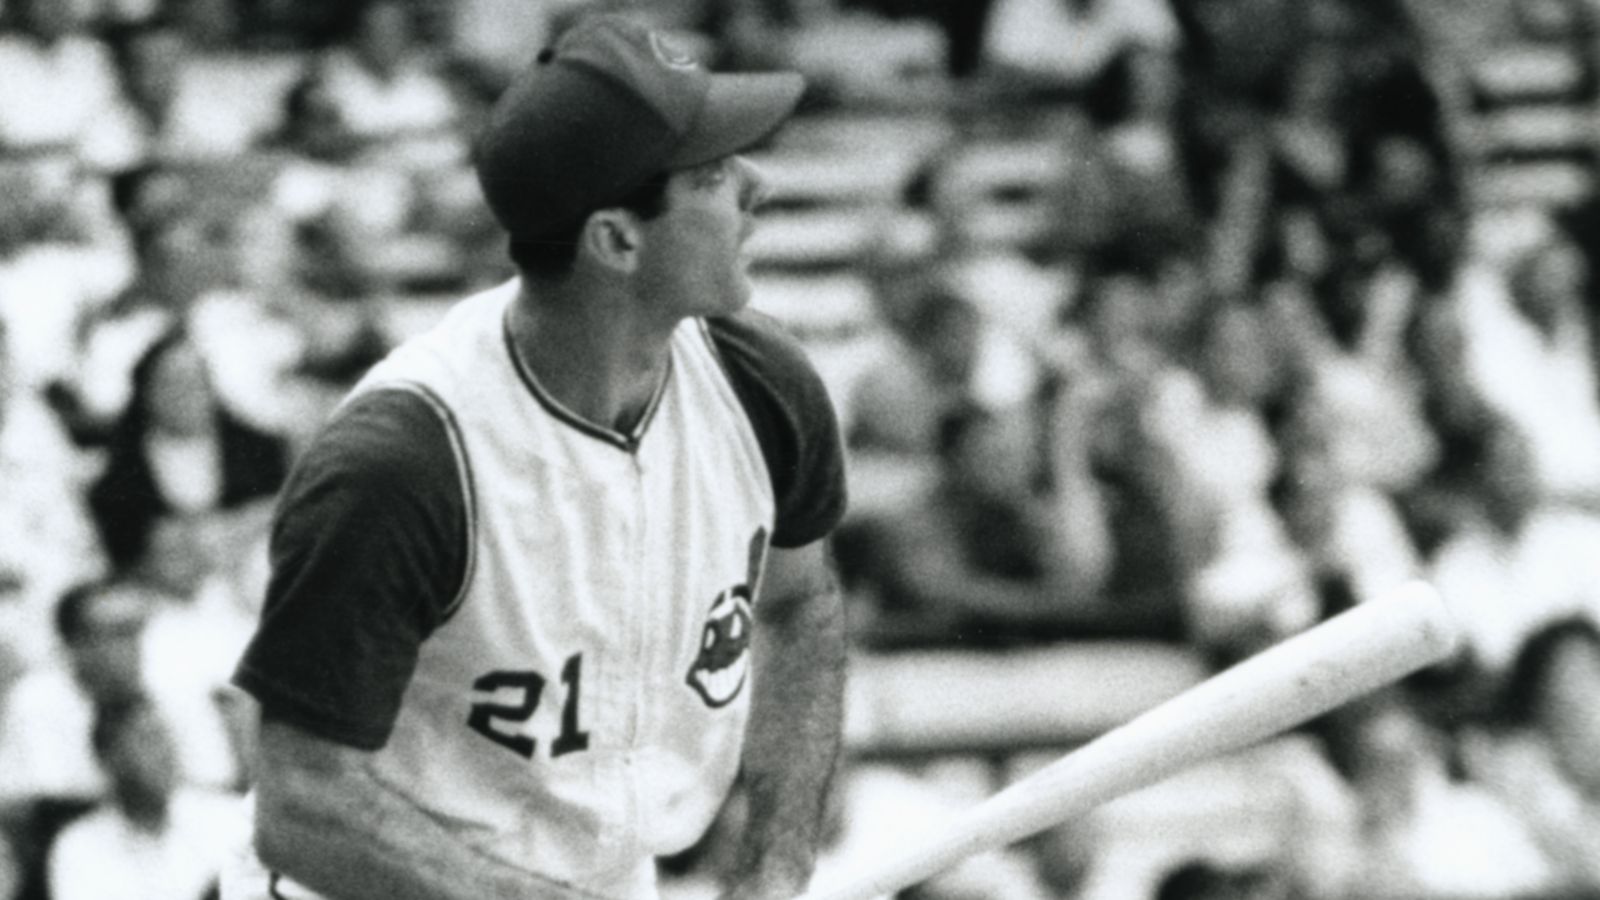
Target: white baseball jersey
(579,707)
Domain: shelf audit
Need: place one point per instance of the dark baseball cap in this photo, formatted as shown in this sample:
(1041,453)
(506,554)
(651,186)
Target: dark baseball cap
(610,106)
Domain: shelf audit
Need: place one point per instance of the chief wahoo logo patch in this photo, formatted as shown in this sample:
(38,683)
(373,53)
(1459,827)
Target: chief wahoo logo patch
(722,666)
(669,54)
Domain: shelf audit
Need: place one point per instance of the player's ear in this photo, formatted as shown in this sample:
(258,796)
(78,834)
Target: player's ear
(612,237)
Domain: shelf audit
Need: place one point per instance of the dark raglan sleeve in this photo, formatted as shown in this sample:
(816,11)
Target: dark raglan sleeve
(368,553)
(794,421)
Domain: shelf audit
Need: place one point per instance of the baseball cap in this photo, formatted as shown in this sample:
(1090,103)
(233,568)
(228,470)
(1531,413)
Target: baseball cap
(611,105)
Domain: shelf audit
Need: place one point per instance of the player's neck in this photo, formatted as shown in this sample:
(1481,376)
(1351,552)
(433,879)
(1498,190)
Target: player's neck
(596,357)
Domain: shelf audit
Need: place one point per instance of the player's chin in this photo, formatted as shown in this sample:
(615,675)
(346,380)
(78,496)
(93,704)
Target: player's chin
(744,285)
(736,292)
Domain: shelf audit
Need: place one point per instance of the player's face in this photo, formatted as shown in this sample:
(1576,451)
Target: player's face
(385,36)
(180,392)
(692,260)
(107,658)
(155,63)
(143,761)
(996,457)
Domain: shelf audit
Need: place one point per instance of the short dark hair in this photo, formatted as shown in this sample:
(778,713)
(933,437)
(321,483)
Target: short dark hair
(956,425)
(75,610)
(72,610)
(553,254)
(122,37)
(1530,671)
(112,718)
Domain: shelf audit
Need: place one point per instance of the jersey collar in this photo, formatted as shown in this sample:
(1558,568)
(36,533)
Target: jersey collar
(625,441)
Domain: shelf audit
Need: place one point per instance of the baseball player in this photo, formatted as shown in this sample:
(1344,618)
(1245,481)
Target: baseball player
(553,574)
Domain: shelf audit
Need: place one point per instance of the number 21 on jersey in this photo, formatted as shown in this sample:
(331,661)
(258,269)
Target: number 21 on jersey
(529,687)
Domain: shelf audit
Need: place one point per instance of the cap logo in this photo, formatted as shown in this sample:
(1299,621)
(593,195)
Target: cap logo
(670,56)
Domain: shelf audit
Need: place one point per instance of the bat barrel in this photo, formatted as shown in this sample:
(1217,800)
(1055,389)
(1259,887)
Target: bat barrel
(1299,679)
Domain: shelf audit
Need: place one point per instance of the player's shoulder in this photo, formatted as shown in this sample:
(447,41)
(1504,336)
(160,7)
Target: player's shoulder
(389,434)
(760,352)
(787,405)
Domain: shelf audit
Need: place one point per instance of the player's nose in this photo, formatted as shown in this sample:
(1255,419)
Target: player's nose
(754,187)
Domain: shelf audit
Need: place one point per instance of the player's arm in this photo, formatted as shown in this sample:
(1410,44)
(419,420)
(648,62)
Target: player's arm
(368,551)
(325,820)
(792,741)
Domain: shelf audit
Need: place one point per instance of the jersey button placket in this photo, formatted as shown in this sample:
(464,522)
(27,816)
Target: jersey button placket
(643,627)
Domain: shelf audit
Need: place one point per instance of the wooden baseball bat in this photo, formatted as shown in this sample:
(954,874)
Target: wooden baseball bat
(1299,679)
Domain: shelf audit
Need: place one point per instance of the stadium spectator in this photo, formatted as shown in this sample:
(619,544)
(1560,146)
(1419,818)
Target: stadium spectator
(1354,432)
(114,14)
(1402,189)
(380,89)
(1507,559)
(151,65)
(63,255)
(984,251)
(1546,765)
(379,132)
(1528,351)
(1401,153)
(45,750)
(1072,368)
(945,356)
(985,558)
(1163,524)
(1231,58)
(1025,37)
(1202,880)
(178,452)
(1352,428)
(498,34)
(171,424)
(1090,206)
(337,306)
(213,24)
(300,304)
(178,263)
(153,839)
(46,540)
(1255,588)
(1352,533)
(1425,833)
(1158,215)
(59,95)
(1309,147)
(325,179)
(174,110)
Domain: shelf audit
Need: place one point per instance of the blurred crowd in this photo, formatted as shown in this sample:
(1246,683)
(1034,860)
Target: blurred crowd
(1260,356)
(1270,358)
